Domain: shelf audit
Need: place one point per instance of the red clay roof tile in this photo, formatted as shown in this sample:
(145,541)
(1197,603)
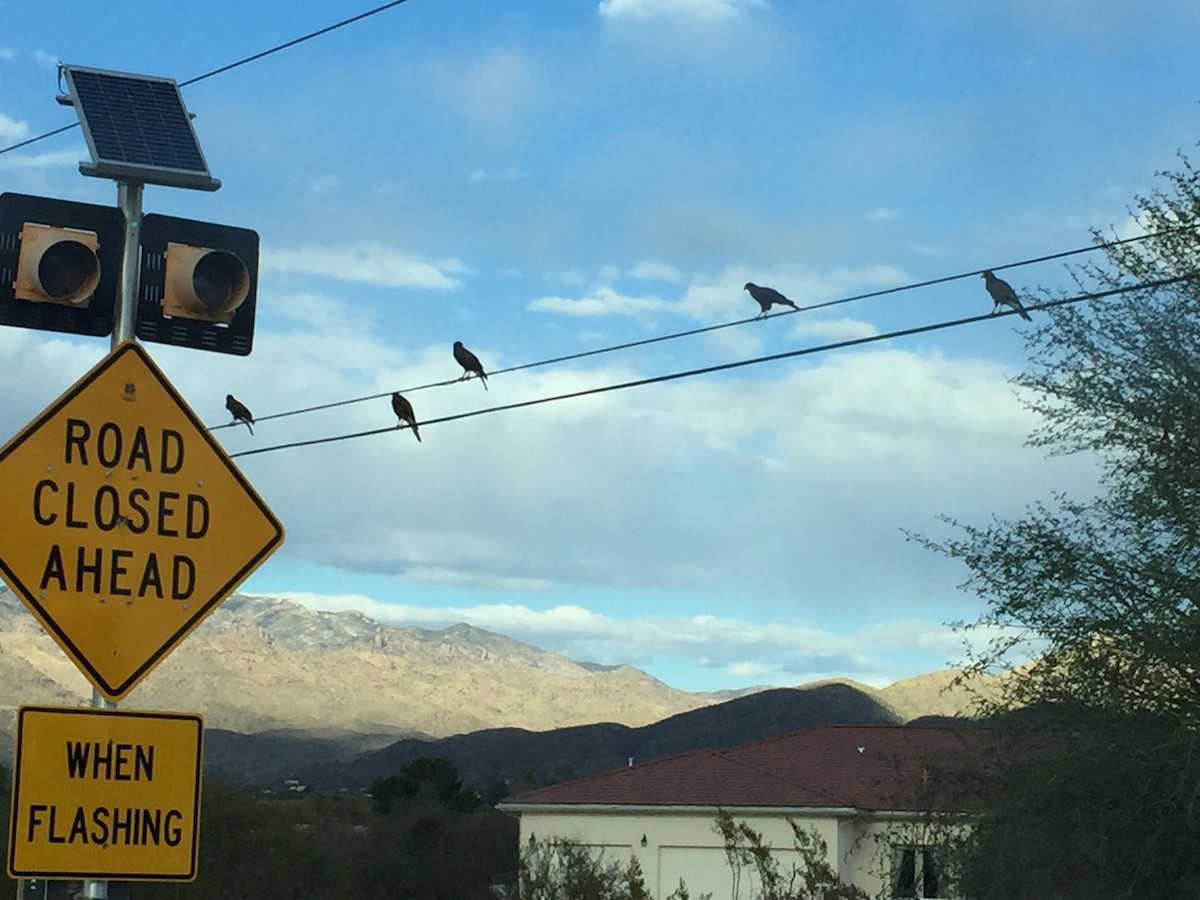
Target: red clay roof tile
(869,767)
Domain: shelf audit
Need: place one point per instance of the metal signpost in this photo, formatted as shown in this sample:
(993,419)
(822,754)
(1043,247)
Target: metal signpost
(126,523)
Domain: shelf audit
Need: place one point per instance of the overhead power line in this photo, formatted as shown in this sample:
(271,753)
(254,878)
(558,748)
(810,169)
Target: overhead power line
(709,328)
(40,137)
(294,42)
(232,65)
(721,367)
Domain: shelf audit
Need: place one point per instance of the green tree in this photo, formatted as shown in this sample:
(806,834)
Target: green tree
(427,777)
(1094,790)
(253,845)
(564,870)
(335,846)
(431,838)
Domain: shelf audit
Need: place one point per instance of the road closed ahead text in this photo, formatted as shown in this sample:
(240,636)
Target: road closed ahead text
(87,507)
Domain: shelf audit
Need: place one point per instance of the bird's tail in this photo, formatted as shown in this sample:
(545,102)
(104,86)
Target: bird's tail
(251,429)
(483,378)
(1024,315)
(793,306)
(416,433)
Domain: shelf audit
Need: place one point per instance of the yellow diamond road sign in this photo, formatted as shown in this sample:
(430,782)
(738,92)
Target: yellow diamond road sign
(124,523)
(105,794)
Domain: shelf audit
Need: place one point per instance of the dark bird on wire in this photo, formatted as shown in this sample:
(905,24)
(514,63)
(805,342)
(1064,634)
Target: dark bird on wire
(767,297)
(1003,295)
(240,413)
(404,412)
(470,363)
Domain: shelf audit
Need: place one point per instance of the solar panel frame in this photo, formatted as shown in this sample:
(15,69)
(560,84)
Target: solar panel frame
(137,129)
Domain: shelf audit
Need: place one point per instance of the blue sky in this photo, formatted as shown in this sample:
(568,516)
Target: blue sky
(546,177)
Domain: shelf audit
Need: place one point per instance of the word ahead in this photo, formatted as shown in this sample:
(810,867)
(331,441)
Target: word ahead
(105,794)
(126,523)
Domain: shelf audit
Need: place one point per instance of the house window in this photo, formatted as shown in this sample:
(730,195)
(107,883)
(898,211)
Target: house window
(917,872)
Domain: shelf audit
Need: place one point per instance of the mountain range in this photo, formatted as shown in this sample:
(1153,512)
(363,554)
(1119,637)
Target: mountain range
(335,700)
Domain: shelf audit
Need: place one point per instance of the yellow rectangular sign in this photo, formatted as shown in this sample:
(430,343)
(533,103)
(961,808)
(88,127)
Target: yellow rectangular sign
(105,794)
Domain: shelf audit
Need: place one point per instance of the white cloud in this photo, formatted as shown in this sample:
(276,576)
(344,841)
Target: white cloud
(321,185)
(806,468)
(778,495)
(708,298)
(651,270)
(372,263)
(882,214)
(603,301)
(51,159)
(498,92)
(686,10)
(717,297)
(7,54)
(510,173)
(12,130)
(774,651)
(843,329)
(571,277)
(451,578)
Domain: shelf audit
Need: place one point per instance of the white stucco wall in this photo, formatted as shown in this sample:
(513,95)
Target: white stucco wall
(681,843)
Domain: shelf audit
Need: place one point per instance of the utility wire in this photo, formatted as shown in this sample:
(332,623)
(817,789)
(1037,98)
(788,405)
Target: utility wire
(233,65)
(704,330)
(721,367)
(40,137)
(293,43)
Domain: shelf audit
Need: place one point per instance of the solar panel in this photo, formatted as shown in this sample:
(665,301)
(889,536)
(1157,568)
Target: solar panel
(137,129)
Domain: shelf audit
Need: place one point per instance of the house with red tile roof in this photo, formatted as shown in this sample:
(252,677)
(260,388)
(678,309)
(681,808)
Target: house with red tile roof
(863,789)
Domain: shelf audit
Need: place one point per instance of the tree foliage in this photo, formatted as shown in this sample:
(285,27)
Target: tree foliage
(565,870)
(335,846)
(1103,591)
(810,878)
(431,778)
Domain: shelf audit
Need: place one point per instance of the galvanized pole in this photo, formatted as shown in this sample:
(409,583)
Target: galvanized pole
(129,199)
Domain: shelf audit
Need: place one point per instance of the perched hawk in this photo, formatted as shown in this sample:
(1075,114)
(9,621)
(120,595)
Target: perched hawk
(1003,295)
(470,363)
(767,297)
(240,413)
(404,412)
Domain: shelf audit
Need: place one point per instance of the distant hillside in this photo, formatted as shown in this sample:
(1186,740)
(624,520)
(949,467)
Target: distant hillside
(339,699)
(260,664)
(938,694)
(512,754)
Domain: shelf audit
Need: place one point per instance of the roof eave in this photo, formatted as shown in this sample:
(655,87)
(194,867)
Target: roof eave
(643,808)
